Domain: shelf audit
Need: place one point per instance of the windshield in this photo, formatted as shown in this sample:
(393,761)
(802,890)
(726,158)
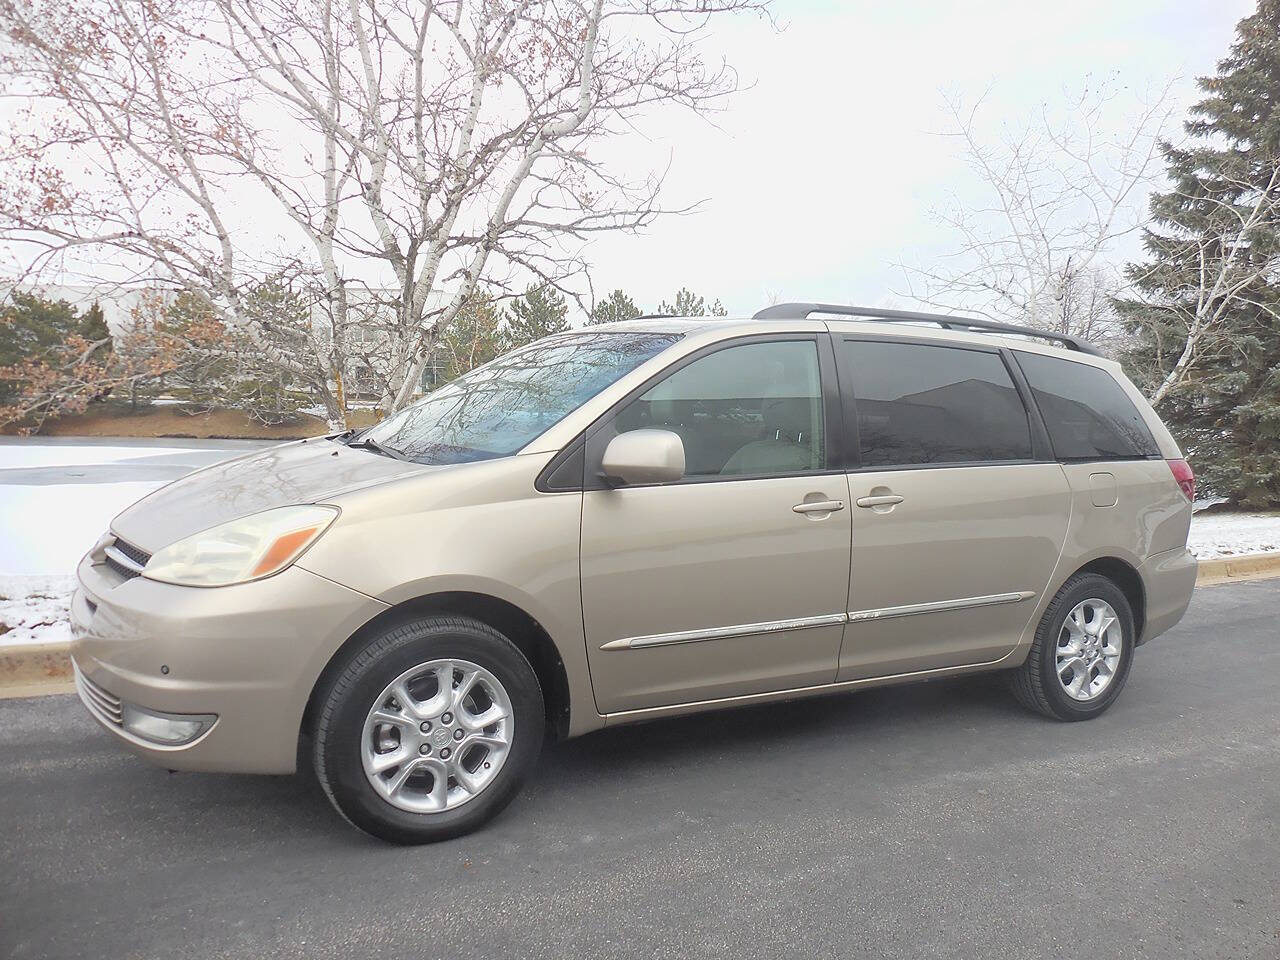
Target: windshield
(500,407)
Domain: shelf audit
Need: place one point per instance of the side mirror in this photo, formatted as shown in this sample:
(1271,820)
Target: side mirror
(644,456)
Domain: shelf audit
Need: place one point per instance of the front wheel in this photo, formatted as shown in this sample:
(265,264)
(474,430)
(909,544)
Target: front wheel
(1082,651)
(428,732)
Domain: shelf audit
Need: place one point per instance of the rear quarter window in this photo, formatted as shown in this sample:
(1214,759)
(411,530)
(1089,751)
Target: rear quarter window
(1088,415)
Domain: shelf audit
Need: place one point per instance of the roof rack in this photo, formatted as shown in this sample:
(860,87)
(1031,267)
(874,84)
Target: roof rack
(800,311)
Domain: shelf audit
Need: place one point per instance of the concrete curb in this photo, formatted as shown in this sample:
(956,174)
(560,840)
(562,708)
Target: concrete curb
(38,669)
(34,669)
(1254,566)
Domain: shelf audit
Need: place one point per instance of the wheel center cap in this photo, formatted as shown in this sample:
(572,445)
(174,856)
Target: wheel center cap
(440,737)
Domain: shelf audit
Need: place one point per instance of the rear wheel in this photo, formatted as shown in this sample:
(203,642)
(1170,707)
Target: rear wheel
(1082,651)
(428,731)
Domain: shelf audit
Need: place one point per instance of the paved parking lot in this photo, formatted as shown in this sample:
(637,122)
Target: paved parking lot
(931,821)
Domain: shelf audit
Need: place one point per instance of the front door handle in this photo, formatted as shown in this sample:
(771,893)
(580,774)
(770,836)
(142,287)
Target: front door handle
(819,506)
(885,500)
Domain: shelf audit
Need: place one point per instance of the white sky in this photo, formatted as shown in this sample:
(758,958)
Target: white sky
(822,175)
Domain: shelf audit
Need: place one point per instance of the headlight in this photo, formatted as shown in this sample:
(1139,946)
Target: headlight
(246,549)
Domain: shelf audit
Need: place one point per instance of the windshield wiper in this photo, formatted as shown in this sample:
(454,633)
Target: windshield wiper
(368,443)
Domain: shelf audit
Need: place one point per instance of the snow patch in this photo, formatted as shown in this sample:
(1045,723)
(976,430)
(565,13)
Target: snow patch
(1234,534)
(45,530)
(36,454)
(35,610)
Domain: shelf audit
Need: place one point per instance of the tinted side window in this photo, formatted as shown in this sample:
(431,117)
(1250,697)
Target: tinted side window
(924,404)
(1088,414)
(750,410)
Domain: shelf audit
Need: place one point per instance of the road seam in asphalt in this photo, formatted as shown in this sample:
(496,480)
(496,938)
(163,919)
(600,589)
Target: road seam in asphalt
(43,669)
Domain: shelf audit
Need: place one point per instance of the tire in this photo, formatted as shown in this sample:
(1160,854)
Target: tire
(351,744)
(1039,686)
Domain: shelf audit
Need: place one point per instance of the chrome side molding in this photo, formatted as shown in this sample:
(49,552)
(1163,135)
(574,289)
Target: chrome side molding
(805,623)
(937,606)
(724,633)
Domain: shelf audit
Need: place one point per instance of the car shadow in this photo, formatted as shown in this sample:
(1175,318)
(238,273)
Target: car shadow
(750,729)
(208,814)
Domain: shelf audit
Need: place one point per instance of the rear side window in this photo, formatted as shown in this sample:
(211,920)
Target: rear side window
(918,403)
(1088,414)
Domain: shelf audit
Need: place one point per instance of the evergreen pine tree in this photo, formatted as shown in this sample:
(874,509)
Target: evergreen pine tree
(31,327)
(541,312)
(690,304)
(472,338)
(93,325)
(1207,338)
(617,306)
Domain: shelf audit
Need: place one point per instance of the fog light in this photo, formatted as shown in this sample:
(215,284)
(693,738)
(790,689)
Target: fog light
(171,729)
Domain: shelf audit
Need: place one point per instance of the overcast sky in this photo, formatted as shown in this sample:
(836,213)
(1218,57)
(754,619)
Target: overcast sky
(822,175)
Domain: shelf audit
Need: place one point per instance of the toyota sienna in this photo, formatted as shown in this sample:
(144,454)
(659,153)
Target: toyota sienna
(638,520)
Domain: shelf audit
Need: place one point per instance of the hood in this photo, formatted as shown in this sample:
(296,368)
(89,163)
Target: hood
(302,472)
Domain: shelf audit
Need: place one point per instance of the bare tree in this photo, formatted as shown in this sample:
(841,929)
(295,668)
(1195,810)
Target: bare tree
(415,145)
(1061,194)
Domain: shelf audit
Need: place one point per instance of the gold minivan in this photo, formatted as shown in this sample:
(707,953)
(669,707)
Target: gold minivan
(638,520)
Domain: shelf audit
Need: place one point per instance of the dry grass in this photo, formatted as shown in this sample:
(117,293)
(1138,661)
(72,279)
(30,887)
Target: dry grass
(175,421)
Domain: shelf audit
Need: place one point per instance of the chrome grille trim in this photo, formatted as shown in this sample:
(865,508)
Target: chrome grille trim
(100,703)
(123,561)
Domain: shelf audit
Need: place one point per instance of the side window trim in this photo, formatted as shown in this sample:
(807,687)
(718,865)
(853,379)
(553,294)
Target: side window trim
(1041,448)
(1041,451)
(834,445)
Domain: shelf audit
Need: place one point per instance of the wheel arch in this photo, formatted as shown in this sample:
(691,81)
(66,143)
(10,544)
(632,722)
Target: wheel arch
(523,630)
(1127,580)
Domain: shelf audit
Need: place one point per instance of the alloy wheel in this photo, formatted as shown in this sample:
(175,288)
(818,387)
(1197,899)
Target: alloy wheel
(1089,649)
(437,736)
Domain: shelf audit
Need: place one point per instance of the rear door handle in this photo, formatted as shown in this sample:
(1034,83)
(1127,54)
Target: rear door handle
(886,500)
(819,506)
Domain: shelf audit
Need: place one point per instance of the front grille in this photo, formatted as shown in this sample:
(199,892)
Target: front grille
(100,703)
(126,559)
(140,557)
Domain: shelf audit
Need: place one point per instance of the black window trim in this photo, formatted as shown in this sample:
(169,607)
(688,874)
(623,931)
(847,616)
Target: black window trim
(1041,451)
(832,415)
(1029,396)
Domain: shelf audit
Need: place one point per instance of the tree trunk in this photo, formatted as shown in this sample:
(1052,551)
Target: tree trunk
(1179,370)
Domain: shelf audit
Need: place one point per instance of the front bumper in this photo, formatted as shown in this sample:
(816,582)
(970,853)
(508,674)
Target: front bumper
(248,655)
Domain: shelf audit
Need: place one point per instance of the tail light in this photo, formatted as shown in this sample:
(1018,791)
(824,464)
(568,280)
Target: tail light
(1186,478)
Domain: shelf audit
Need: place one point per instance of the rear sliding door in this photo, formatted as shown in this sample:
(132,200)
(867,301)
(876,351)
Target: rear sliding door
(959,511)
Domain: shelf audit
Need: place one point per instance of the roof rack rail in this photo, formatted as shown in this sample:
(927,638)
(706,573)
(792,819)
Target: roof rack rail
(799,311)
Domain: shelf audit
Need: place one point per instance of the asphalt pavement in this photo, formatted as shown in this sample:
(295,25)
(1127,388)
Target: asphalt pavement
(931,821)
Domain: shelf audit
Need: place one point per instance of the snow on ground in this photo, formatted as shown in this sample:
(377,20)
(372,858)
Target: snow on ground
(45,528)
(38,454)
(1234,534)
(35,609)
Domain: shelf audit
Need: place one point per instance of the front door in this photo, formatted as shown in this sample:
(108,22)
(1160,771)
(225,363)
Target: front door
(733,580)
(958,515)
